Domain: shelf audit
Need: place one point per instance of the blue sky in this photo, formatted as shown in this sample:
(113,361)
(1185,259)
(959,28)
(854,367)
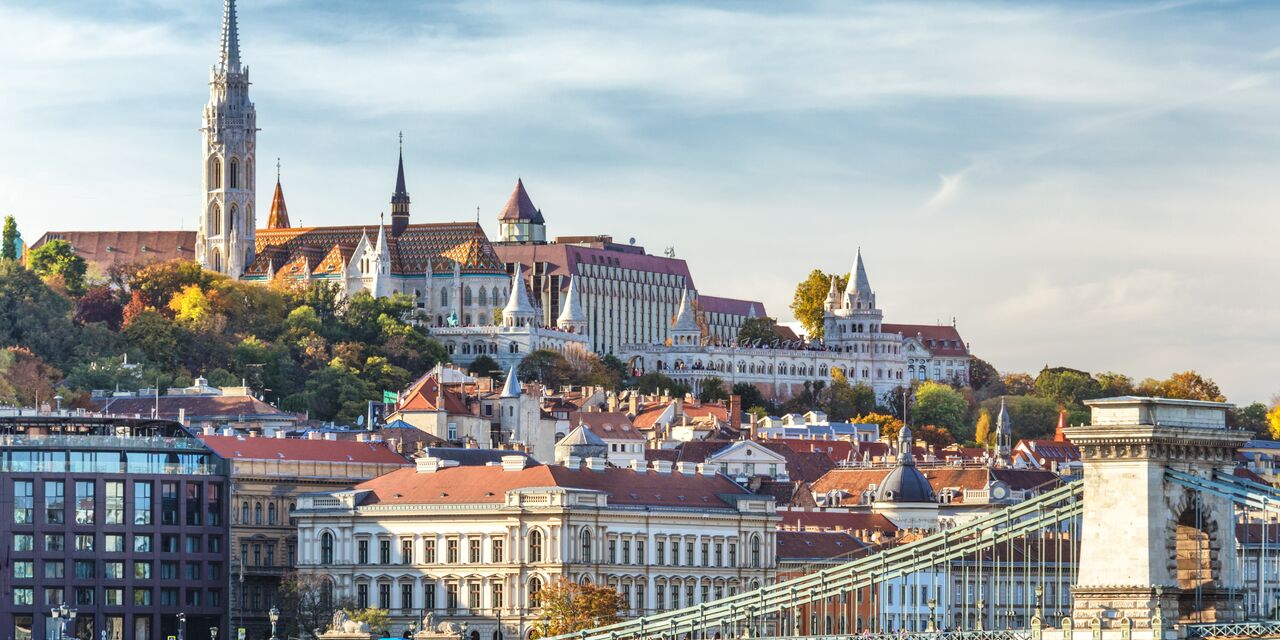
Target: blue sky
(1085,184)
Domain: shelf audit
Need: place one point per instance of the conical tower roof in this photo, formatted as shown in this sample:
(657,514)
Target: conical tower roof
(229,60)
(518,304)
(859,285)
(279,216)
(1003,423)
(684,317)
(572,312)
(511,389)
(519,207)
(402,193)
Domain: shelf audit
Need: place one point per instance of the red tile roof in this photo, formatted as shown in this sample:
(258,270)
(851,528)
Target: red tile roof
(836,450)
(606,424)
(236,447)
(200,407)
(470,485)
(730,306)
(423,394)
(941,340)
(106,249)
(855,481)
(563,260)
(839,520)
(1046,452)
(819,545)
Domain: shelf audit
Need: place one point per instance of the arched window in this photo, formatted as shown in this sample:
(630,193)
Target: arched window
(216,261)
(244,512)
(215,172)
(535,591)
(535,546)
(326,548)
(215,220)
(271,513)
(248,174)
(484,297)
(755,551)
(586,545)
(232,217)
(234,180)
(257,513)
(444,296)
(466,296)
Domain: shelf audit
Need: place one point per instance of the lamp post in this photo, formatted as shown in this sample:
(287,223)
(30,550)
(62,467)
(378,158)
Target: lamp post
(932,626)
(981,605)
(182,626)
(63,615)
(1039,593)
(274,616)
(213,633)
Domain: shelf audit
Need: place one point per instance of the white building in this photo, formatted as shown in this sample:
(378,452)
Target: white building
(477,544)
(856,343)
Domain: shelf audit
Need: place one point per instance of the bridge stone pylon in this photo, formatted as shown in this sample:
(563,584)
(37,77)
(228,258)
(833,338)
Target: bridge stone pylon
(1150,548)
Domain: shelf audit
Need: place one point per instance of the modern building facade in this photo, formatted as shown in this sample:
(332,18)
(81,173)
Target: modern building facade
(124,521)
(477,544)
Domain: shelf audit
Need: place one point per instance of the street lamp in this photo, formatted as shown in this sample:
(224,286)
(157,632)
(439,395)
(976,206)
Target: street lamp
(274,616)
(63,615)
(1039,592)
(932,626)
(213,633)
(981,605)
(182,626)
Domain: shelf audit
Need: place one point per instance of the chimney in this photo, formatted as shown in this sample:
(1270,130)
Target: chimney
(679,407)
(513,463)
(573,462)
(1058,435)
(595,464)
(734,413)
(686,468)
(361,437)
(228,431)
(209,430)
(638,465)
(253,434)
(313,435)
(612,401)
(706,469)
(182,415)
(330,436)
(281,434)
(632,402)
(662,466)
(428,464)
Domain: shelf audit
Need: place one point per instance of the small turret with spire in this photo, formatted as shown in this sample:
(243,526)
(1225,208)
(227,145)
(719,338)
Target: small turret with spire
(572,317)
(1004,436)
(400,199)
(685,329)
(279,216)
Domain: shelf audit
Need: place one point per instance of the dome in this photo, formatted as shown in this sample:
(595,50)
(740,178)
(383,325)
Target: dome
(580,443)
(905,483)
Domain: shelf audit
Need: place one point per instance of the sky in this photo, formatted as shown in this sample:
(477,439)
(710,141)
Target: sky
(1082,184)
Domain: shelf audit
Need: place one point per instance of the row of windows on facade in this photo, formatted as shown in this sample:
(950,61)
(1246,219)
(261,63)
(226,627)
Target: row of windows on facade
(858,327)
(862,347)
(233,175)
(215,218)
(768,369)
(271,517)
(117,570)
(115,596)
(118,543)
(616,273)
(86,512)
(264,560)
(84,626)
(534,548)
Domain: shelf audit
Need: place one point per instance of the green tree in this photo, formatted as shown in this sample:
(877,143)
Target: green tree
(810,295)
(842,401)
(939,404)
(751,397)
(334,392)
(761,329)
(34,316)
(485,366)
(1113,384)
(9,249)
(160,339)
(984,379)
(1251,417)
(569,607)
(1033,417)
(654,382)
(1067,387)
(617,368)
(1187,385)
(379,620)
(58,258)
(158,283)
(546,366)
(713,390)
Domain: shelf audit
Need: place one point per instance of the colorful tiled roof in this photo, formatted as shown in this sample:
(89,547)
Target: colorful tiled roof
(421,246)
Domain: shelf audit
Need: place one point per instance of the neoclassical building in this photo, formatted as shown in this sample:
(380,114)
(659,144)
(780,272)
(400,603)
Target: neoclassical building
(476,544)
(868,351)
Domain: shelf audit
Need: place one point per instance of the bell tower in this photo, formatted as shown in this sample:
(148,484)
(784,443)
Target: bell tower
(224,239)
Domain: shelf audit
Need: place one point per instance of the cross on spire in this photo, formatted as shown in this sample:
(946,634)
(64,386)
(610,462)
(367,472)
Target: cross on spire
(277,168)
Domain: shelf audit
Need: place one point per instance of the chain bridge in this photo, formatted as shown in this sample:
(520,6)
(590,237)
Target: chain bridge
(1158,540)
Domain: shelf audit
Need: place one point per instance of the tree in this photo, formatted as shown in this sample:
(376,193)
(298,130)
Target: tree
(889,425)
(1113,384)
(34,316)
(1273,422)
(982,432)
(810,296)
(841,400)
(761,329)
(984,379)
(307,604)
(100,304)
(485,366)
(59,258)
(712,390)
(654,382)
(157,283)
(1068,387)
(569,607)
(25,379)
(9,249)
(1018,384)
(617,368)
(934,436)
(1033,417)
(1187,385)
(546,366)
(158,338)
(939,404)
(1251,417)
(751,398)
(379,620)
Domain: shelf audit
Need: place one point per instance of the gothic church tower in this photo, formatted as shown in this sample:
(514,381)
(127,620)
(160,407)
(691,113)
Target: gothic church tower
(224,241)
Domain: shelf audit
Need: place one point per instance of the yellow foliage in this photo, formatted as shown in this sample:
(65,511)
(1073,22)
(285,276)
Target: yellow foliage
(191,305)
(982,434)
(1273,422)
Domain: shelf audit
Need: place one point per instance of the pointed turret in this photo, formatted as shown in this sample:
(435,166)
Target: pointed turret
(833,296)
(684,329)
(279,216)
(572,317)
(859,286)
(511,389)
(519,220)
(400,199)
(906,441)
(229,61)
(1058,433)
(519,312)
(1004,435)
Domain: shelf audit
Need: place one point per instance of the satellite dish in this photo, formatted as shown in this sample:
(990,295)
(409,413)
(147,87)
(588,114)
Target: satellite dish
(632,241)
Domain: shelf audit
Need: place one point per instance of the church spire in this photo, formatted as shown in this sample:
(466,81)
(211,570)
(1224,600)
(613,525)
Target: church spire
(229,62)
(400,199)
(279,216)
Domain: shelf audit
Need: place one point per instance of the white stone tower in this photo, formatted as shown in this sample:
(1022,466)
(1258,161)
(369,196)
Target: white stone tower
(224,240)
(572,317)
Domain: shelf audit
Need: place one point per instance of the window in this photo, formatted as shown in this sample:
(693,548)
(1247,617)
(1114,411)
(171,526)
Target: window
(193,503)
(429,595)
(719,554)
(495,595)
(626,552)
(168,503)
(271,555)
(499,550)
(213,504)
(755,552)
(733,554)
(613,551)
(168,570)
(535,590)
(234,178)
(688,553)
(451,596)
(115,502)
(406,597)
(362,551)
(659,556)
(473,595)
(384,552)
(244,512)
(84,595)
(169,597)
(194,544)
(54,501)
(24,542)
(24,595)
(406,551)
(384,596)
(84,542)
(451,551)
(22,625)
(640,557)
(113,543)
(86,569)
(586,546)
(215,173)
(706,555)
(54,542)
(24,569)
(326,548)
(54,569)
(429,551)
(84,501)
(53,596)
(474,551)
(362,596)
(257,513)
(193,597)
(271,513)
(142,597)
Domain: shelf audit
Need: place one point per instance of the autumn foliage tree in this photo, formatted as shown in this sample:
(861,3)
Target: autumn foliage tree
(809,297)
(569,607)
